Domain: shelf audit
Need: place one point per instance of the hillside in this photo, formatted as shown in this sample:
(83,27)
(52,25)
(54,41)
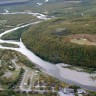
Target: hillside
(69,41)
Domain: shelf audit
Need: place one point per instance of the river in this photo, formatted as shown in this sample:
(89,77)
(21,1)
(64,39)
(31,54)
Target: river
(69,76)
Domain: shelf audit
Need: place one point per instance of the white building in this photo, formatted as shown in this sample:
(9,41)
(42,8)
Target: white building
(81,91)
(63,94)
(66,92)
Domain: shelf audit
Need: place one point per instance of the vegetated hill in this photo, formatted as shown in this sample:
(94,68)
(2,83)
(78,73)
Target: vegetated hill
(51,41)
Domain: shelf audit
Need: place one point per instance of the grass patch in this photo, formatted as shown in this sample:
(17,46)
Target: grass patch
(9,45)
(8,21)
(15,35)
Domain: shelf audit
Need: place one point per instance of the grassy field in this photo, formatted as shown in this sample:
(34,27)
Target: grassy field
(9,45)
(11,21)
(15,35)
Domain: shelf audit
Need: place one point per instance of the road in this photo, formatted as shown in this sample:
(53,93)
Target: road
(27,74)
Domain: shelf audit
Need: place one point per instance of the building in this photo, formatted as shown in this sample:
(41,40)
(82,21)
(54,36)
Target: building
(81,91)
(60,93)
(66,92)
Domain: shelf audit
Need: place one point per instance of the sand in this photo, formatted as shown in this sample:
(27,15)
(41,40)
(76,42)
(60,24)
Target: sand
(79,77)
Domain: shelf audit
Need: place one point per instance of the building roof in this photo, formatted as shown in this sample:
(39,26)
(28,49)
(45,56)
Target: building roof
(81,91)
(62,94)
(68,90)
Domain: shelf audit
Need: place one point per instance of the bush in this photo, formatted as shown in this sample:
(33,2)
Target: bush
(1,72)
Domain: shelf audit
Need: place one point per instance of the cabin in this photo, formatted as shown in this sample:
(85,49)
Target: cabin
(63,94)
(66,92)
(81,91)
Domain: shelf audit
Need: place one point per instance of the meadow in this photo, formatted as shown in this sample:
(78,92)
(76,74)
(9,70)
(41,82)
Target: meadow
(8,21)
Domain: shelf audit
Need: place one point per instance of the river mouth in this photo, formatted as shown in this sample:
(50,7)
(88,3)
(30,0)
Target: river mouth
(57,71)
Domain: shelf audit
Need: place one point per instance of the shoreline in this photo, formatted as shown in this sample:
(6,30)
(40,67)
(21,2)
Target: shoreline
(81,77)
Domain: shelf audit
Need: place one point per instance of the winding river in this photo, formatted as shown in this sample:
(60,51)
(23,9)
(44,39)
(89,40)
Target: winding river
(69,76)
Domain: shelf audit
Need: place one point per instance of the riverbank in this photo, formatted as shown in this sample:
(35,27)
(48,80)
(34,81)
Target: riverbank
(81,77)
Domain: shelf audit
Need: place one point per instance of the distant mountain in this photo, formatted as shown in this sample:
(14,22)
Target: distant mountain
(67,0)
(3,2)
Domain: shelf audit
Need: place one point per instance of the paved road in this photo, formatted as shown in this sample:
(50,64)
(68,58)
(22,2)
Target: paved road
(22,87)
(16,65)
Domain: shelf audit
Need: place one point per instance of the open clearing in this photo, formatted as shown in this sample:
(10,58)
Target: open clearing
(83,39)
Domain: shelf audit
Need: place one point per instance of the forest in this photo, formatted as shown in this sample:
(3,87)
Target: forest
(50,41)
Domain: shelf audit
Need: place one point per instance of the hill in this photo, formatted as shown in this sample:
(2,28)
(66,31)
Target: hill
(70,41)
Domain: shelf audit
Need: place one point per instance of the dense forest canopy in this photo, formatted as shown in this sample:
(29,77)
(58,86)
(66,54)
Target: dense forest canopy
(51,41)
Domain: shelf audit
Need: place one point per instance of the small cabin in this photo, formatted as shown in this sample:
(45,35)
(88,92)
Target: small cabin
(81,91)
